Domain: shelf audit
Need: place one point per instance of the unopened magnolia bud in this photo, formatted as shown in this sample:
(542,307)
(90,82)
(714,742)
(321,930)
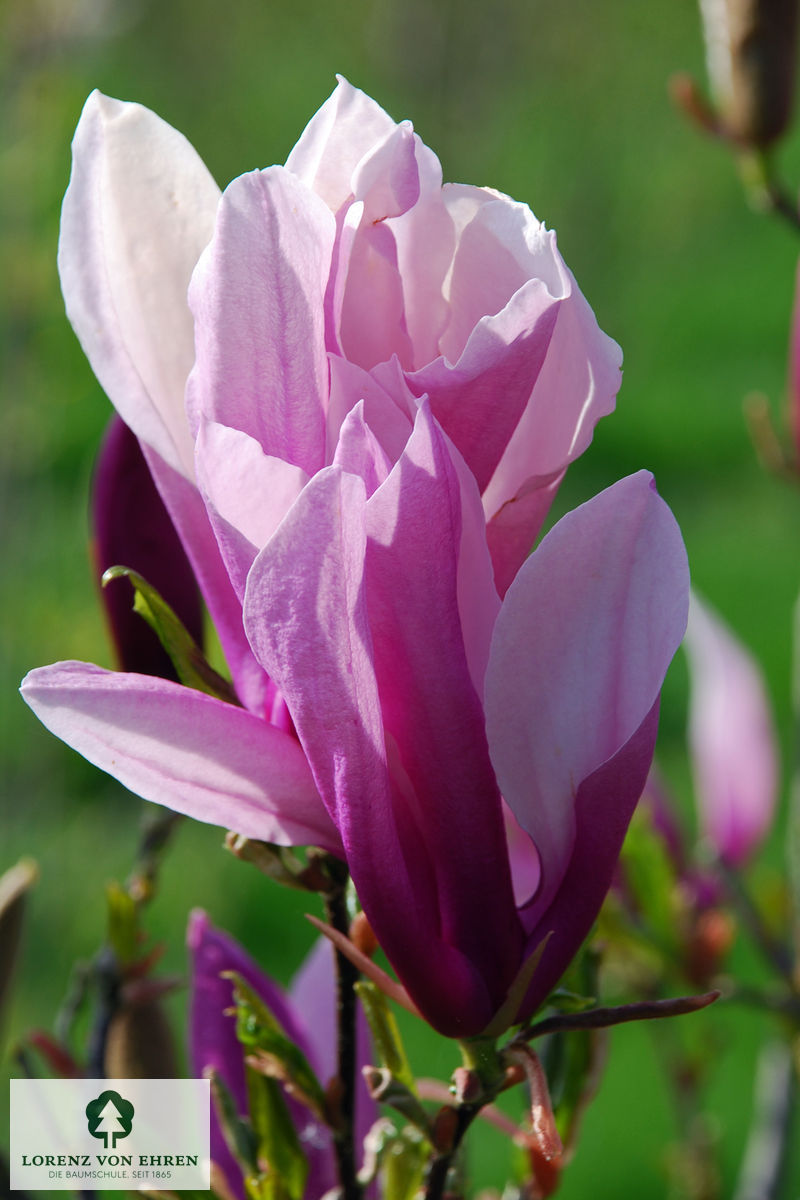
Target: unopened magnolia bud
(750,51)
(139,1044)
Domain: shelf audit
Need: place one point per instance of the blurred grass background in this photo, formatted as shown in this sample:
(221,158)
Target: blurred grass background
(563,106)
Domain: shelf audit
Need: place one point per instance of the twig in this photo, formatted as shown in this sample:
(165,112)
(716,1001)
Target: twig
(602,1018)
(346,1010)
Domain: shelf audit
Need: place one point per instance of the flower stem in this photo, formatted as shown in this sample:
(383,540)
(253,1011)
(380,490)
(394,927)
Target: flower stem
(346,977)
(442,1162)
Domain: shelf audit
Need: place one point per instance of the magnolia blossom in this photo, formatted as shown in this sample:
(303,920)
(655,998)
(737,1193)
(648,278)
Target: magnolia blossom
(731,738)
(306,1015)
(389,380)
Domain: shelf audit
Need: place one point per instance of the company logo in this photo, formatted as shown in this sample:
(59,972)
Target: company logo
(129,1135)
(109,1117)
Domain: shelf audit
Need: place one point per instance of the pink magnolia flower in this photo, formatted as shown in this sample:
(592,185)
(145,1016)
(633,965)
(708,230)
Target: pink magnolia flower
(307,1016)
(731,738)
(389,380)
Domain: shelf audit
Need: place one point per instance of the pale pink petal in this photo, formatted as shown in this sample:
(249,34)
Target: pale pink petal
(731,737)
(360,452)
(579,653)
(387,417)
(184,749)
(304,615)
(372,323)
(190,517)
(138,211)
(387,178)
(347,126)
(247,494)
(512,530)
(257,296)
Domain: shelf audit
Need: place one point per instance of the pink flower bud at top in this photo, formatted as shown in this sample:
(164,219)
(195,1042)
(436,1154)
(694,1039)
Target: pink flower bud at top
(750,52)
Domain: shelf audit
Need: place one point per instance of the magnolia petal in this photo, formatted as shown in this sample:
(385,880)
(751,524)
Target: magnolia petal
(188,512)
(304,615)
(138,211)
(247,494)
(604,805)
(479,400)
(584,637)
(387,179)
(257,297)
(387,416)
(186,750)
(731,737)
(346,128)
(439,758)
(512,530)
(577,385)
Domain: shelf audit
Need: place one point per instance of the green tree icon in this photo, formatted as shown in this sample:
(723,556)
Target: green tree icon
(110,1117)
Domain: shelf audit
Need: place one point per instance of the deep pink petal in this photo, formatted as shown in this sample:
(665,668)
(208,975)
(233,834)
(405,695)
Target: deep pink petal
(138,211)
(585,635)
(731,737)
(184,749)
(257,298)
(440,764)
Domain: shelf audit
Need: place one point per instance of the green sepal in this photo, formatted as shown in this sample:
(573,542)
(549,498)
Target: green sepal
(123,923)
(386,1038)
(188,659)
(270,1051)
(277,1144)
(566,1001)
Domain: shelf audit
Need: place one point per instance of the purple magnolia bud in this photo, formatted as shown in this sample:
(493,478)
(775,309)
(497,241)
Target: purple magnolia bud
(131,528)
(731,738)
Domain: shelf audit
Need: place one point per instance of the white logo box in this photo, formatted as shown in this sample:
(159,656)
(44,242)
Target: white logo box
(147,1134)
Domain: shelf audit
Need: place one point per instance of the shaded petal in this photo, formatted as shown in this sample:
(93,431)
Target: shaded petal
(138,211)
(387,417)
(184,749)
(347,126)
(257,296)
(580,648)
(213,1043)
(131,527)
(731,737)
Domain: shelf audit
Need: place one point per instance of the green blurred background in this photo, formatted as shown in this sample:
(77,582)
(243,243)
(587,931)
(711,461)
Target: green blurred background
(562,105)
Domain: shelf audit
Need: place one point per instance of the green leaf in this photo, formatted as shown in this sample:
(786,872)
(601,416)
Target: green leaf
(188,659)
(276,1140)
(386,1037)
(269,1050)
